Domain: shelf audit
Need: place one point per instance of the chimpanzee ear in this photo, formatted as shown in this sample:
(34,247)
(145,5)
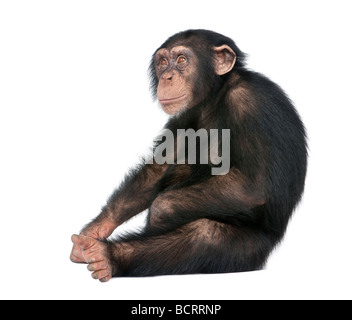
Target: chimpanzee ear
(225,59)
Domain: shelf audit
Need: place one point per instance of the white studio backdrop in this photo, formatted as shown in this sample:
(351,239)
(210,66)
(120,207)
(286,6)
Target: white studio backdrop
(76,114)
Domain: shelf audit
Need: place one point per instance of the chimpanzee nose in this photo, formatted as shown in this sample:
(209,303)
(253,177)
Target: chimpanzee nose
(168,75)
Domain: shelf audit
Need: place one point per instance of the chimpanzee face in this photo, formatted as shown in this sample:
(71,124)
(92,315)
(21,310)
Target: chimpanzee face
(176,71)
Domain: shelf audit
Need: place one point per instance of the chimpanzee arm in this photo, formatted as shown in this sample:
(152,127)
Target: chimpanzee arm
(132,197)
(219,196)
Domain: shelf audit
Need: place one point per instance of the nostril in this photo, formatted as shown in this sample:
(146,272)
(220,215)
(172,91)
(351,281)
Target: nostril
(168,75)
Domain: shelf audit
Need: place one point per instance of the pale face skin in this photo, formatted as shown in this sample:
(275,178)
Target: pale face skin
(175,71)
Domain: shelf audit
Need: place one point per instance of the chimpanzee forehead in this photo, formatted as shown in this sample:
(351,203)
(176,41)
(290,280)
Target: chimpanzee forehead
(173,51)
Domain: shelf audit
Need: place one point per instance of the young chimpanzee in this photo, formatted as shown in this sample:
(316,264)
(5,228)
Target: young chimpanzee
(199,222)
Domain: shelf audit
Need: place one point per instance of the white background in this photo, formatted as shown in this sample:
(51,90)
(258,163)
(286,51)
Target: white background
(76,113)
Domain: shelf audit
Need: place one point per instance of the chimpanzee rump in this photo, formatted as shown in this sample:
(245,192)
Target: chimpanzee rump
(199,222)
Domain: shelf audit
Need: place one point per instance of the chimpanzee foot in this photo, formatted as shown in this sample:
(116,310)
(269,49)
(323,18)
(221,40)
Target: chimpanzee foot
(95,254)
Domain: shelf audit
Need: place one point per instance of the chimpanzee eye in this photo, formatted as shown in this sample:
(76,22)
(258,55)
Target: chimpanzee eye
(163,62)
(181,59)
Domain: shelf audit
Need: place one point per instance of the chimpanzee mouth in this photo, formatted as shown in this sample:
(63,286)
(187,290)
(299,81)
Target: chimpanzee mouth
(171,100)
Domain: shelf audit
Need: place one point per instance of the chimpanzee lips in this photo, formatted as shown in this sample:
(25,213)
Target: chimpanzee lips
(170,100)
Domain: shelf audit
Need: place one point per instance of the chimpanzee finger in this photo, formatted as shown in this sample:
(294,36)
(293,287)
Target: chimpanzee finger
(96,266)
(76,255)
(83,241)
(104,275)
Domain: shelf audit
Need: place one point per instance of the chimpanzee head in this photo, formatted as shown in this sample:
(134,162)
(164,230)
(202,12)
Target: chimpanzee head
(190,66)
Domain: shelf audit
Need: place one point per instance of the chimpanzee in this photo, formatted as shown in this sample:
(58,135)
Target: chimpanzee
(199,222)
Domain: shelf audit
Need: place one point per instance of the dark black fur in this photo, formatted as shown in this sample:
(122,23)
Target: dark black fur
(267,140)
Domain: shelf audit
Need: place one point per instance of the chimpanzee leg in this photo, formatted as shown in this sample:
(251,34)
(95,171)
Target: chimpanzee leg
(202,246)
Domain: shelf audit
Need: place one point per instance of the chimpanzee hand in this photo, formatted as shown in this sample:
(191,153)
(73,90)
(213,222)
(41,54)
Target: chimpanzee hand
(99,231)
(95,254)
